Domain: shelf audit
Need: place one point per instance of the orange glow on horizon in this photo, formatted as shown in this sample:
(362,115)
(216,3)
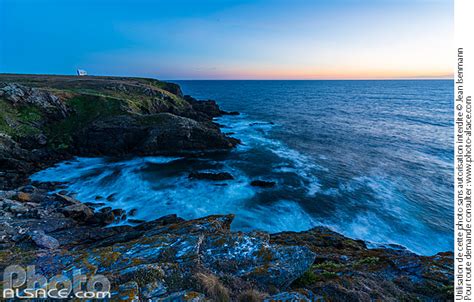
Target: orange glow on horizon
(293,74)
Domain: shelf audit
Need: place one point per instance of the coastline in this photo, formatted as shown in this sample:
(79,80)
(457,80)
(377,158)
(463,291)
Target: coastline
(328,264)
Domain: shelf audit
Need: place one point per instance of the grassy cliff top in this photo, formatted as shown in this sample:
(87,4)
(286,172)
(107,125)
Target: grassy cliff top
(87,98)
(86,83)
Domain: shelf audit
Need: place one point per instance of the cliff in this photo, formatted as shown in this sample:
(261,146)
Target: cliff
(47,118)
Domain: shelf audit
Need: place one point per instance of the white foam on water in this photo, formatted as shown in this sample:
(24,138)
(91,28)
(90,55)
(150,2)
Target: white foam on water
(129,188)
(282,215)
(253,135)
(387,218)
(69,170)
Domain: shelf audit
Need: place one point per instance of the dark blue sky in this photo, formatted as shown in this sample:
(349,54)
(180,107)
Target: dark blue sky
(224,39)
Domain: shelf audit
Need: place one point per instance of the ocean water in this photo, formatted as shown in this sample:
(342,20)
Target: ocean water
(370,159)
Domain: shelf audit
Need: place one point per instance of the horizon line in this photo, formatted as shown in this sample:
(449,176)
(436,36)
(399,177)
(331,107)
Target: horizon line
(450,77)
(341,79)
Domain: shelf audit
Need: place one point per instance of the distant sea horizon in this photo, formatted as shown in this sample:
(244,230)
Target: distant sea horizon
(448,77)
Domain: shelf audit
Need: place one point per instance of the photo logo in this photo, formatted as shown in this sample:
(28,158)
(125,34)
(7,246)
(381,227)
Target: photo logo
(19,283)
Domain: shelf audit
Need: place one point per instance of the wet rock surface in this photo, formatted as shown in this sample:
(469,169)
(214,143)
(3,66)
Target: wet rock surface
(262,183)
(44,241)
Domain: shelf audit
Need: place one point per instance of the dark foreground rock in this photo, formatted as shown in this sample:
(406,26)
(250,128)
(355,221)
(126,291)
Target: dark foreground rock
(204,259)
(169,250)
(161,133)
(262,183)
(230,113)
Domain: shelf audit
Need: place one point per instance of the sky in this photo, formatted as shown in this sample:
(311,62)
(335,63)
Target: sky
(225,39)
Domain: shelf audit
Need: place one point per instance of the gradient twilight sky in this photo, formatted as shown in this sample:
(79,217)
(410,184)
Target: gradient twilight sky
(224,39)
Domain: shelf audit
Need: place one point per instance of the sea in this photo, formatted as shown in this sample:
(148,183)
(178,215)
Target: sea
(372,160)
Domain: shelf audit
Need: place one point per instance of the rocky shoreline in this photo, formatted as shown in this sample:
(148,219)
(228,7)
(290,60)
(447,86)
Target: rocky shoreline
(47,119)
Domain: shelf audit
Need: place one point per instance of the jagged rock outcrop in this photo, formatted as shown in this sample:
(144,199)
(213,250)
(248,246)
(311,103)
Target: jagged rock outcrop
(169,250)
(15,162)
(44,119)
(150,134)
(347,270)
(20,95)
(208,108)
